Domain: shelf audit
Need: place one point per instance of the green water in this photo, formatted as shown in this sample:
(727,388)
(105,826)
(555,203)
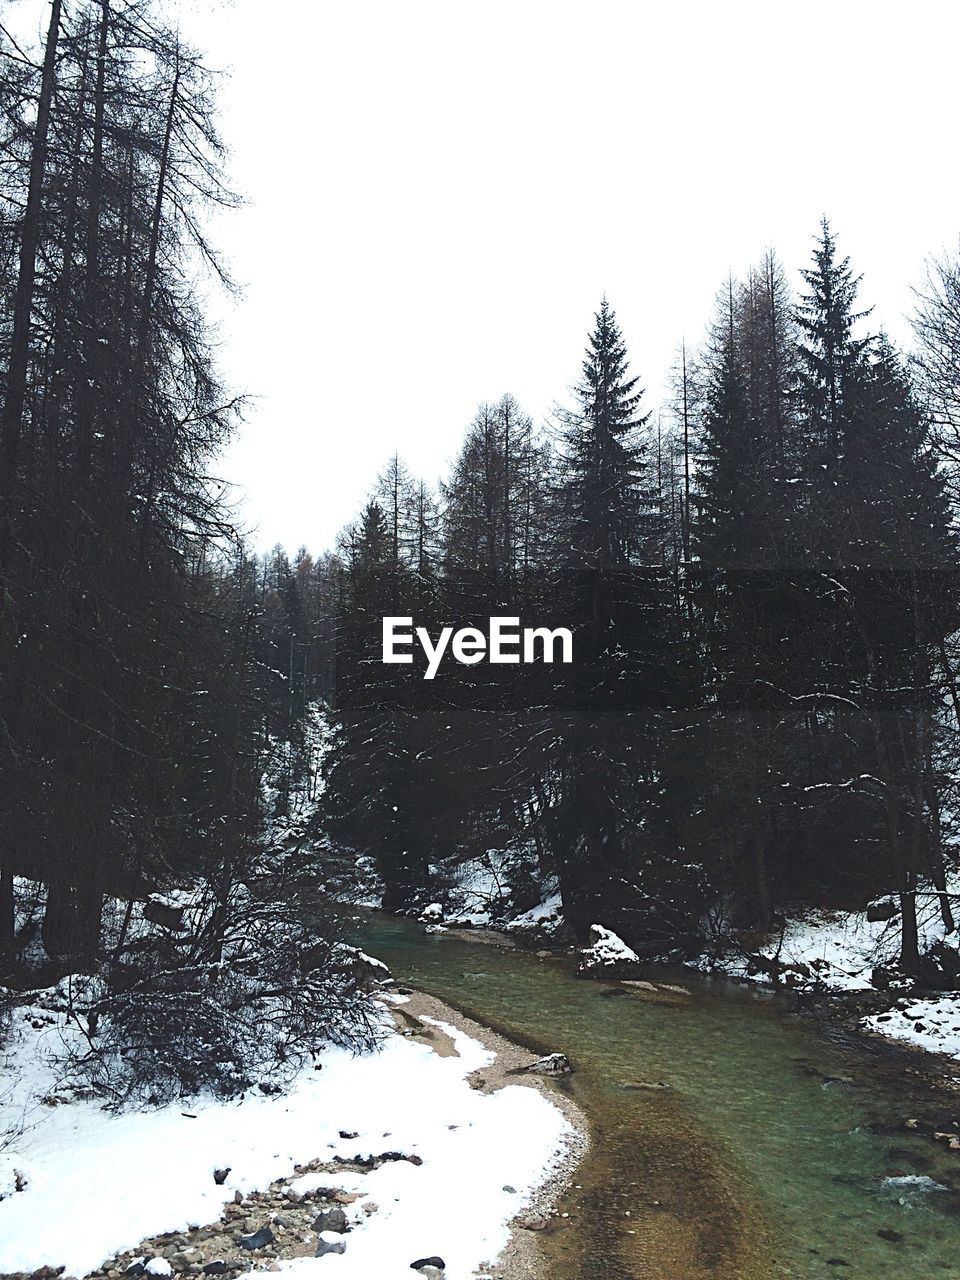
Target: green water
(756,1161)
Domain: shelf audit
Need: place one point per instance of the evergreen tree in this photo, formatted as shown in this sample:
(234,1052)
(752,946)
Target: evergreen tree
(375,799)
(745,598)
(610,829)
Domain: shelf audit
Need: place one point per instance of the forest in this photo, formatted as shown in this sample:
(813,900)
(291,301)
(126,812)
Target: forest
(761,580)
(761,577)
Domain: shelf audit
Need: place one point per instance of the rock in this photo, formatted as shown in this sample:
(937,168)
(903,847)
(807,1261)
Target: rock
(940,967)
(554,1064)
(220,1176)
(607,954)
(257,1239)
(366,972)
(648,1085)
(136,1267)
(215,1268)
(433,1261)
(511,1191)
(158,1267)
(886,1233)
(164,913)
(433,914)
(533,1222)
(331,1220)
(330,1242)
(347,1135)
(882,909)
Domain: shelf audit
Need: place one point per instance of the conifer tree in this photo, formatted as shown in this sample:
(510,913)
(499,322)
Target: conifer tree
(615,705)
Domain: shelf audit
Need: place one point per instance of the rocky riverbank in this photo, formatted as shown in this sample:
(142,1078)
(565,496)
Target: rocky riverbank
(331,1203)
(415,1153)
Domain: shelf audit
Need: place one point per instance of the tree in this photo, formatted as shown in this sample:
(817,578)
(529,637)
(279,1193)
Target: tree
(608,821)
(742,583)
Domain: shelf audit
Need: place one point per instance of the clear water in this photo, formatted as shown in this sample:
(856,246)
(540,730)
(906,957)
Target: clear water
(755,1161)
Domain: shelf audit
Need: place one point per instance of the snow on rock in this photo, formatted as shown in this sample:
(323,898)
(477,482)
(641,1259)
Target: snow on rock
(96,1184)
(606,951)
(545,918)
(554,1064)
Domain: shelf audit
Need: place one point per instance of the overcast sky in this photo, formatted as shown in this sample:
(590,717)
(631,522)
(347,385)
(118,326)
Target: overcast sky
(439,193)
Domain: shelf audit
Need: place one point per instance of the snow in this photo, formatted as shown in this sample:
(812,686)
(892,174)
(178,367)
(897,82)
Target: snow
(932,1023)
(840,948)
(545,917)
(97,1184)
(837,951)
(606,949)
(175,899)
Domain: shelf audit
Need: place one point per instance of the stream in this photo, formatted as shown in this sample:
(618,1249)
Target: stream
(769,1152)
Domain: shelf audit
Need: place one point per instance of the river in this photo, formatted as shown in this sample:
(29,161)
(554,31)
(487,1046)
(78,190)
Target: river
(730,1140)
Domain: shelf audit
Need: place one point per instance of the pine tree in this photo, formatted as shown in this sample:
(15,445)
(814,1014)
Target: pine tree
(375,799)
(883,596)
(608,823)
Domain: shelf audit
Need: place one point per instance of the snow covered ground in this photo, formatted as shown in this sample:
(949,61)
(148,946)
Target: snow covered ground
(932,1024)
(94,1184)
(839,948)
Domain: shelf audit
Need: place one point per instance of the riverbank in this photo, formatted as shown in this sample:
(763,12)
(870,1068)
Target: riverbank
(521,1258)
(426,1149)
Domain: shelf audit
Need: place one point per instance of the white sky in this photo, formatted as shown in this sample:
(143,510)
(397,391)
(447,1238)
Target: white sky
(440,192)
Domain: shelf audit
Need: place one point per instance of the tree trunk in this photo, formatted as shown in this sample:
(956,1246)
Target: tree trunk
(15,397)
(7,920)
(91,290)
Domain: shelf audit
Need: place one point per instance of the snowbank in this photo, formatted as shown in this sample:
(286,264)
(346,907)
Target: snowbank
(837,951)
(932,1024)
(840,949)
(546,918)
(96,1184)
